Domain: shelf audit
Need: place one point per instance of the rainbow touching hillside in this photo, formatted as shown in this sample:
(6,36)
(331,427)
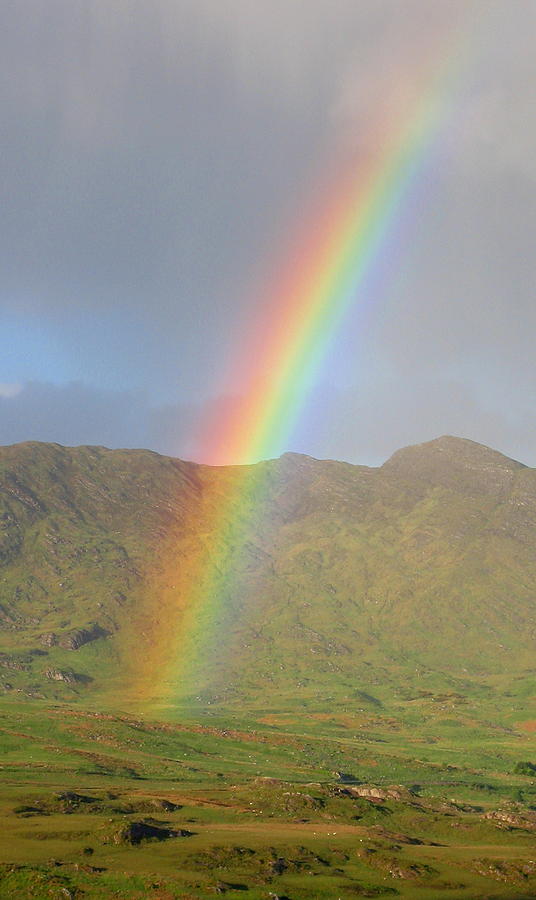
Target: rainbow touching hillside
(346,240)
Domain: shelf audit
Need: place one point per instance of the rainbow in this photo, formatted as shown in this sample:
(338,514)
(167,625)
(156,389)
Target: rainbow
(333,259)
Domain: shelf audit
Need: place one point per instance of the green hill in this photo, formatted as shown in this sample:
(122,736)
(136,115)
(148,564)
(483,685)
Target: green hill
(338,580)
(302,679)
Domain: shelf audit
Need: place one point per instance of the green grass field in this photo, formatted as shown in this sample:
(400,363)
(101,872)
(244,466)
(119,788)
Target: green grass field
(289,804)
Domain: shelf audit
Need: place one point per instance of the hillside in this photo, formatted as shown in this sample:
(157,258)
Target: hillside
(340,580)
(302,679)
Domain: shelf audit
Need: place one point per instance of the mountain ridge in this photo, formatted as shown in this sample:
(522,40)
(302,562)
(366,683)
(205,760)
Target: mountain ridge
(443,441)
(344,575)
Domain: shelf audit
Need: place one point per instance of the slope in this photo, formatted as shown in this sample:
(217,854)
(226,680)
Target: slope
(346,581)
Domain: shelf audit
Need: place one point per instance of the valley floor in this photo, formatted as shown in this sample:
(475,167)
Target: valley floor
(332,805)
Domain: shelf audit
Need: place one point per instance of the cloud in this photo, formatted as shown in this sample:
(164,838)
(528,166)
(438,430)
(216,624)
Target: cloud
(10,390)
(76,413)
(137,137)
(156,154)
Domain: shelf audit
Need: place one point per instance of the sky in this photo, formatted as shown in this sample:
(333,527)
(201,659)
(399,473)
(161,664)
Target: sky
(158,159)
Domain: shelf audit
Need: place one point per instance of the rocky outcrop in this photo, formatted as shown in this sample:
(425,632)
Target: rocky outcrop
(503,819)
(509,872)
(16,663)
(49,639)
(75,639)
(67,676)
(136,832)
(376,794)
(70,801)
(345,777)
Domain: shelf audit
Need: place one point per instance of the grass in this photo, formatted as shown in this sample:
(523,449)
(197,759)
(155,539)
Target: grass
(376,634)
(268,808)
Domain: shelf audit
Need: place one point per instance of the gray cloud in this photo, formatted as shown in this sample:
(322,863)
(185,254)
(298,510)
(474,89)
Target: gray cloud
(156,154)
(76,413)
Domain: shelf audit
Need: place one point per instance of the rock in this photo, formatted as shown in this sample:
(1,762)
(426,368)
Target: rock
(165,805)
(58,675)
(12,662)
(369,793)
(508,871)
(136,832)
(49,639)
(510,820)
(378,795)
(397,870)
(75,639)
(69,801)
(278,866)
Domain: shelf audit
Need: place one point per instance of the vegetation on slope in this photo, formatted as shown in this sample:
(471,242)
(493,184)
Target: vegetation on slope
(340,581)
(359,717)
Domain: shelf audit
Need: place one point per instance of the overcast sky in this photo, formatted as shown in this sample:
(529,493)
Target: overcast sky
(155,156)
